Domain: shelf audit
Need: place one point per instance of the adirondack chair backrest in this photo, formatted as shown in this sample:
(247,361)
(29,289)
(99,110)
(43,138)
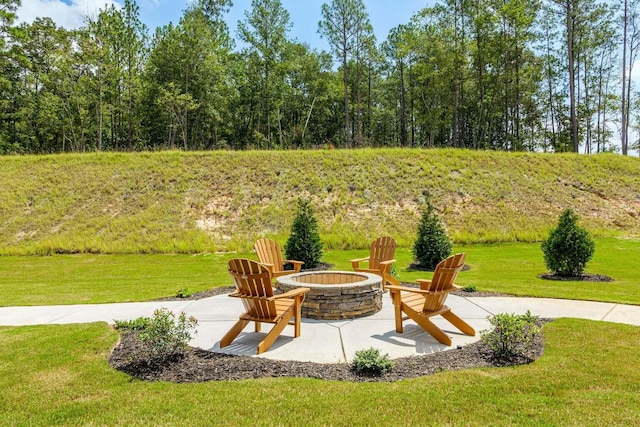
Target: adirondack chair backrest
(253,281)
(382,249)
(269,252)
(444,278)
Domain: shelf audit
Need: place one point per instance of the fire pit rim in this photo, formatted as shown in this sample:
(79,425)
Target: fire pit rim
(368,279)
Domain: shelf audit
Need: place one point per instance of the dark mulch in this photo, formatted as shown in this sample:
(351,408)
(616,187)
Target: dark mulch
(228,289)
(583,278)
(320,267)
(463,293)
(200,295)
(199,365)
(417,267)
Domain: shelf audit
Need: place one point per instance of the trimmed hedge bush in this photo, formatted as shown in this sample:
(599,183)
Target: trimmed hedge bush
(304,242)
(568,247)
(432,244)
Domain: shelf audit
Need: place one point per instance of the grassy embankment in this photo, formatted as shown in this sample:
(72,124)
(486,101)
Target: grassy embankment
(174,202)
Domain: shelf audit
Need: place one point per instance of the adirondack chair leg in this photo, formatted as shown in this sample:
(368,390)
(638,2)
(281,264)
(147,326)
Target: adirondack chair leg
(275,332)
(258,327)
(397,307)
(298,313)
(233,332)
(459,323)
(427,325)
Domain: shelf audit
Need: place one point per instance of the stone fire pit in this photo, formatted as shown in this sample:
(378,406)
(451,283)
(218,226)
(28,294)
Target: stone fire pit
(336,295)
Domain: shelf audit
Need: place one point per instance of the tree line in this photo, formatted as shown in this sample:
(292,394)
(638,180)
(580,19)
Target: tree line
(543,75)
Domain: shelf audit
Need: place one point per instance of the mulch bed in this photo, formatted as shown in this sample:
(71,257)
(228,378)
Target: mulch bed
(198,365)
(583,278)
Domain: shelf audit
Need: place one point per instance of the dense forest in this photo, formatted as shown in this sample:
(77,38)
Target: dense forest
(517,75)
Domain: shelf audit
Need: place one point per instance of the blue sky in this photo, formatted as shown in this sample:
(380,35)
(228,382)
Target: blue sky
(305,14)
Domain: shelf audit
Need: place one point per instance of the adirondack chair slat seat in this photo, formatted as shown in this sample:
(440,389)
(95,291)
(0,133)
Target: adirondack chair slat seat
(421,304)
(270,255)
(254,288)
(380,258)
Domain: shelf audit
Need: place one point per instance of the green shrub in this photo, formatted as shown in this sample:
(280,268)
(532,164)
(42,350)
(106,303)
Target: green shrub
(470,288)
(432,244)
(304,241)
(371,363)
(512,335)
(568,247)
(162,338)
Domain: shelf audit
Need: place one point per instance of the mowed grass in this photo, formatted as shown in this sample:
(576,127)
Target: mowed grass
(93,279)
(59,375)
(511,268)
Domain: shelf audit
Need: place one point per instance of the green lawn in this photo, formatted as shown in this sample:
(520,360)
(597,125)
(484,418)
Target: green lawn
(511,268)
(59,375)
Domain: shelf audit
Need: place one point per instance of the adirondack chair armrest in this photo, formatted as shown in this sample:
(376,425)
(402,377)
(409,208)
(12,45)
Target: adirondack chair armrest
(424,283)
(236,295)
(394,288)
(355,263)
(269,267)
(297,265)
(386,266)
(290,294)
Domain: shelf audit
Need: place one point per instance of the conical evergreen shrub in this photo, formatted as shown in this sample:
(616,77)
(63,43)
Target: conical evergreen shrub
(432,244)
(304,241)
(568,247)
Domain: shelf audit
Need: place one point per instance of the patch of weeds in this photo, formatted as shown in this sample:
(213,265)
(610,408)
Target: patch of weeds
(184,293)
(512,336)
(132,325)
(371,363)
(470,288)
(394,271)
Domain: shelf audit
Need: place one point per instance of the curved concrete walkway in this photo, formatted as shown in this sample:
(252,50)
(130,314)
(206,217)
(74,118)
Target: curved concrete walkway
(325,341)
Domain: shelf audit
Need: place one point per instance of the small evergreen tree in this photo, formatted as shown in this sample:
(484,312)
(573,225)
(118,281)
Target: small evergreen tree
(432,244)
(568,247)
(304,241)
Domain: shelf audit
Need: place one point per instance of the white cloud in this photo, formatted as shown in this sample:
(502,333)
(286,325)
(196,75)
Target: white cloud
(69,16)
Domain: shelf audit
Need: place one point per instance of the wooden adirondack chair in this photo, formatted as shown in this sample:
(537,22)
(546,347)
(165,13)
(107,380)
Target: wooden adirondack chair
(428,301)
(380,258)
(253,286)
(270,255)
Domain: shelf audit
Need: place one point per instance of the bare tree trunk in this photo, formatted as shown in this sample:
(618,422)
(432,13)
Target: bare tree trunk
(306,123)
(403,107)
(624,127)
(572,80)
(345,82)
